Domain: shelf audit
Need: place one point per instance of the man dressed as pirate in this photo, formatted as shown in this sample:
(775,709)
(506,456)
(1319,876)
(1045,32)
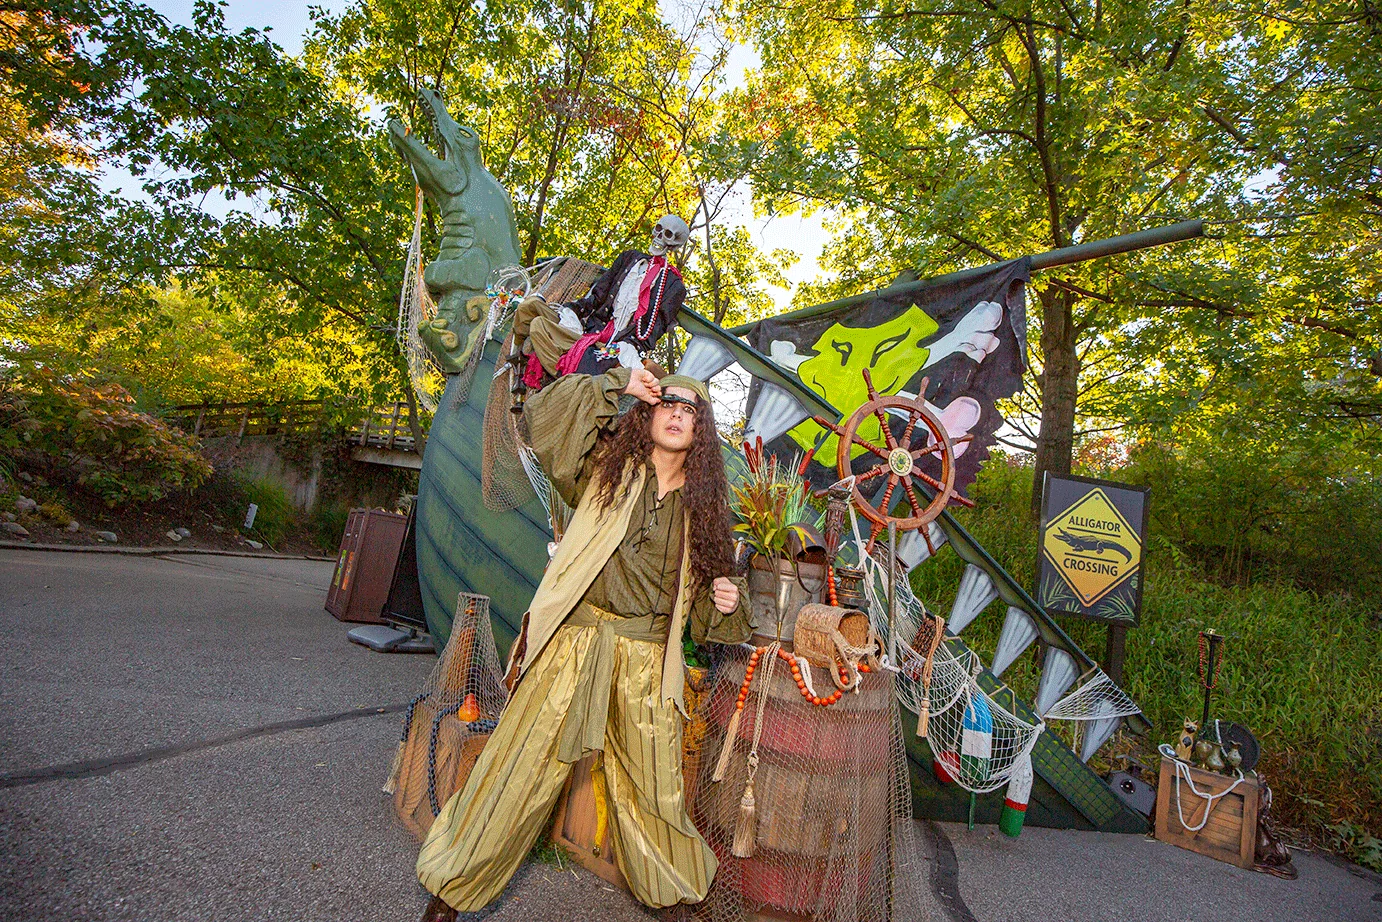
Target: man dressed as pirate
(647,552)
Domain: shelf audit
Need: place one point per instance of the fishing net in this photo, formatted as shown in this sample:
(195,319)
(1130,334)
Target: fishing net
(807,807)
(415,307)
(1096,699)
(506,286)
(976,742)
(447,724)
(509,473)
(504,481)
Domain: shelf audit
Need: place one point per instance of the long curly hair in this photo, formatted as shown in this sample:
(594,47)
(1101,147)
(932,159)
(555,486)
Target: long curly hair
(704,494)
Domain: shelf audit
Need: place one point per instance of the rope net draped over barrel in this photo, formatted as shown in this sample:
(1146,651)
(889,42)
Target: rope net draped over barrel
(450,719)
(831,831)
(509,473)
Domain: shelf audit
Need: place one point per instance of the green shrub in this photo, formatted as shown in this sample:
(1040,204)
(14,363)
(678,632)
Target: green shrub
(1245,510)
(328,526)
(1300,666)
(276,515)
(96,433)
(55,513)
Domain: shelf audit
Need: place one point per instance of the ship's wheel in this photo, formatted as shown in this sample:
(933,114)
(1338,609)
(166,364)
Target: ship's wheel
(898,462)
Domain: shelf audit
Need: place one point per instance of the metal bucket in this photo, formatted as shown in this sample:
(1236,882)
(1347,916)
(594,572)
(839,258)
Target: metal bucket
(788,590)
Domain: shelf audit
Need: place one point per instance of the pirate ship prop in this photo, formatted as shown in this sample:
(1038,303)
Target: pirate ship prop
(938,353)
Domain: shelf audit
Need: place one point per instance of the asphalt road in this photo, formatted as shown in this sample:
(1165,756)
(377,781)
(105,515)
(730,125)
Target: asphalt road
(193,737)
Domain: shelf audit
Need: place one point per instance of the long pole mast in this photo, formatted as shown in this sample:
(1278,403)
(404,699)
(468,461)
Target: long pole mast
(1065,256)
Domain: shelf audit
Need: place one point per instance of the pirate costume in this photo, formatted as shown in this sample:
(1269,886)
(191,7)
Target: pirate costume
(635,301)
(601,671)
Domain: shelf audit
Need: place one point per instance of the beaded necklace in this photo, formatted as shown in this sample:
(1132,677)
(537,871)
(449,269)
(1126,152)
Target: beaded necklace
(640,330)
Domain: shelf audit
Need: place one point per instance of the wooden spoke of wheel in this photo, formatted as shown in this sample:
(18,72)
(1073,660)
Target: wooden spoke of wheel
(934,447)
(878,411)
(858,440)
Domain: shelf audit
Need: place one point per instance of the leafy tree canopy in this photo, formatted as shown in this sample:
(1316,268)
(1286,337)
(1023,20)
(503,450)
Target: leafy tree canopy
(945,134)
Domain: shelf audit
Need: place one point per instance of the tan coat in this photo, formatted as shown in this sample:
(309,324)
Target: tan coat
(590,540)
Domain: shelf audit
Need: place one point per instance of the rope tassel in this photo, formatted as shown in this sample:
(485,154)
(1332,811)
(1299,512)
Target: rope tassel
(732,732)
(727,749)
(745,831)
(923,716)
(395,768)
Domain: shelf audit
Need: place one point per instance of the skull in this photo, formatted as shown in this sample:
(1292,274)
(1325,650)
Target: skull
(668,234)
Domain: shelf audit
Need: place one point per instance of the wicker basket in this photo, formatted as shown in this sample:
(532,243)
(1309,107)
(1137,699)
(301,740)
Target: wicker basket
(823,631)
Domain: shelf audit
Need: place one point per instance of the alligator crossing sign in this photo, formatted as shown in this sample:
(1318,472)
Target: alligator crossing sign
(1092,534)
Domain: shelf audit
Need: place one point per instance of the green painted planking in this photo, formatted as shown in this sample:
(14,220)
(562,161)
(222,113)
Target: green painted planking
(460,547)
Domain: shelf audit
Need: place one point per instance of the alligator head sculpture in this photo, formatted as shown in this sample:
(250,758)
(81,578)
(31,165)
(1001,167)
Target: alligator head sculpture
(478,229)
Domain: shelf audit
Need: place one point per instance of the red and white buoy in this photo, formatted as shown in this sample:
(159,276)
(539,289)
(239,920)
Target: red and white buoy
(1015,803)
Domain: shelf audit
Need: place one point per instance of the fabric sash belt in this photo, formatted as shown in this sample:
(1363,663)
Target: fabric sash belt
(583,730)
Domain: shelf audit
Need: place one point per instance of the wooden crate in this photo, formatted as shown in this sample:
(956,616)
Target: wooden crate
(1230,834)
(365,566)
(573,827)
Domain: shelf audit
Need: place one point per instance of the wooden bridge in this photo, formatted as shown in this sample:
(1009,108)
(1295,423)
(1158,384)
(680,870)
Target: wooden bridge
(377,435)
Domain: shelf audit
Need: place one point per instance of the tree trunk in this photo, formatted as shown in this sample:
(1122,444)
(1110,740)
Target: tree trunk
(1059,385)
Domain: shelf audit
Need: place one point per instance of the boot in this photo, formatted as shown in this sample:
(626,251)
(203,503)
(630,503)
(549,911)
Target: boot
(438,911)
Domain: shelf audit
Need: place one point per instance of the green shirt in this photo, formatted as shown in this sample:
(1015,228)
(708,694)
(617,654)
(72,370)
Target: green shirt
(641,576)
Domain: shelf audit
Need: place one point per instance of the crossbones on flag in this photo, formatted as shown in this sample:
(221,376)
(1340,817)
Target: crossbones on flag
(967,337)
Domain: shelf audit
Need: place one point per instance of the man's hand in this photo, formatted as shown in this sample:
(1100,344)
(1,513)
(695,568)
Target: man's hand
(726,594)
(643,385)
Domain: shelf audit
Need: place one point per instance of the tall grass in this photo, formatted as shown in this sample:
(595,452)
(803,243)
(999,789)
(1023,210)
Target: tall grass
(276,516)
(1301,668)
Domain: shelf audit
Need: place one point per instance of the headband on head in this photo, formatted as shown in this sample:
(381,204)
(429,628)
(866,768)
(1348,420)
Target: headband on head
(687,382)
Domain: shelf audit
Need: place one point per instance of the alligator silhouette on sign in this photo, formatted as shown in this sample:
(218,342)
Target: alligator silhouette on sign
(479,233)
(1092,543)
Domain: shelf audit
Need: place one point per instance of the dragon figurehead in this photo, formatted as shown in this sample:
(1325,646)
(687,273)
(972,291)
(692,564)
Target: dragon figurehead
(479,233)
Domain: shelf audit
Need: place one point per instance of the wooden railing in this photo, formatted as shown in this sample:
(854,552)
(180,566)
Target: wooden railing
(385,427)
(213,420)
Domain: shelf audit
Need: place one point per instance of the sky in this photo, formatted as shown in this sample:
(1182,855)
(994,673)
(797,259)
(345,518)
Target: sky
(289,21)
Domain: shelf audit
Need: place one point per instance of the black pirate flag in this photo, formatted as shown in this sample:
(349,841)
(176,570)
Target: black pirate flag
(967,337)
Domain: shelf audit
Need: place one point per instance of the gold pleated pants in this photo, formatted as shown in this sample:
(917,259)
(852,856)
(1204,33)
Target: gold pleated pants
(487,828)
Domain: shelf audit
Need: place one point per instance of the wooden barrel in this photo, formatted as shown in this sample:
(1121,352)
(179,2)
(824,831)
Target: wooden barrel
(822,789)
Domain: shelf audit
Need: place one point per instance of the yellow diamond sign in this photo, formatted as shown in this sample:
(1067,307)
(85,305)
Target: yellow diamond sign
(1092,546)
